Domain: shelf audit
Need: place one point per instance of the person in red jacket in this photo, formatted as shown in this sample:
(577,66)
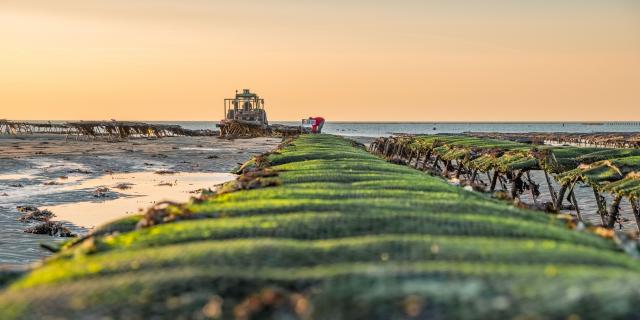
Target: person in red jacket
(317,123)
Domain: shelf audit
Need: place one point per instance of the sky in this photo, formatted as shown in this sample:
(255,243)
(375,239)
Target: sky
(345,60)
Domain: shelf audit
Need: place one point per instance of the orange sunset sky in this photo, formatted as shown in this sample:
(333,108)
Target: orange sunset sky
(362,60)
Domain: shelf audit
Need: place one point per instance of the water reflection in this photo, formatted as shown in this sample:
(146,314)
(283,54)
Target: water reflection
(75,201)
(142,190)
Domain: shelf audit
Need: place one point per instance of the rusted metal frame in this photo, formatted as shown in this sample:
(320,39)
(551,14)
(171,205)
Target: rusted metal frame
(602,205)
(379,147)
(552,191)
(614,211)
(448,166)
(392,150)
(445,171)
(558,204)
(503,182)
(436,165)
(372,146)
(514,192)
(531,183)
(577,207)
(410,156)
(474,175)
(636,211)
(398,152)
(572,199)
(418,154)
(406,154)
(460,168)
(427,157)
(494,180)
(387,145)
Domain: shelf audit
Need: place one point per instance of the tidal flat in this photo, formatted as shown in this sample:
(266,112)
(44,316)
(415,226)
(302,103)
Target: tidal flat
(87,183)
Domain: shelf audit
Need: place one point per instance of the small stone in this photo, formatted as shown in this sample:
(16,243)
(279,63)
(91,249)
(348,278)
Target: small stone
(123,186)
(52,228)
(101,192)
(79,171)
(34,214)
(26,208)
(164,172)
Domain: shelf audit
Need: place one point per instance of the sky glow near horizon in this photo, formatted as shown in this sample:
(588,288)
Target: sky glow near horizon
(345,60)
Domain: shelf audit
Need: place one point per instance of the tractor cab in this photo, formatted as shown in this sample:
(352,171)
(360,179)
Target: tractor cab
(246,107)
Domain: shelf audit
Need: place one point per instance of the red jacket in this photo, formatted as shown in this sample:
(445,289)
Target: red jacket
(317,123)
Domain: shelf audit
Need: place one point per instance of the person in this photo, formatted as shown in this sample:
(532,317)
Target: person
(317,124)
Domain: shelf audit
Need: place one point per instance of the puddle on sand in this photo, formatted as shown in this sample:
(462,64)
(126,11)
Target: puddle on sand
(146,188)
(15,176)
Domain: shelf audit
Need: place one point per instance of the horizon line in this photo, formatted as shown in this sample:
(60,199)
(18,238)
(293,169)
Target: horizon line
(358,121)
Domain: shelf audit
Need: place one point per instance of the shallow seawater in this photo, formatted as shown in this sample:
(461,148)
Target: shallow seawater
(67,190)
(586,202)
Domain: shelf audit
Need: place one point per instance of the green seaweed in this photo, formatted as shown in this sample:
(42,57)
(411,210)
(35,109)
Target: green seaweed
(343,234)
(596,166)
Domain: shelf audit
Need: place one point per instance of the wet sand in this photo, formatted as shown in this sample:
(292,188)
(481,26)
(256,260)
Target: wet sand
(128,193)
(63,175)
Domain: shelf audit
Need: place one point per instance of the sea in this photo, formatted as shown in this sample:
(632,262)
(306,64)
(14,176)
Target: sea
(378,129)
